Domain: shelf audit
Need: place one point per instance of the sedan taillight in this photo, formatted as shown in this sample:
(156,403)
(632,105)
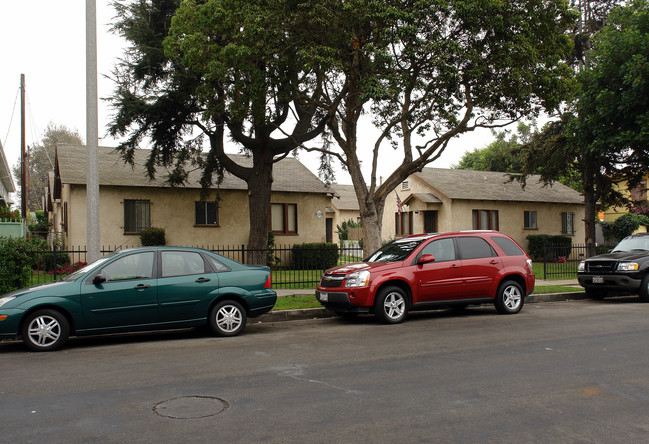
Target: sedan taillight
(268,283)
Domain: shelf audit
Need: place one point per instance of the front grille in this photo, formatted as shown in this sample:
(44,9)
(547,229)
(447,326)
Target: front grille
(601,266)
(332,280)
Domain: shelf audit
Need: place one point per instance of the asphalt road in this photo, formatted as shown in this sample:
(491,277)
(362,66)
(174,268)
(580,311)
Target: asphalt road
(557,372)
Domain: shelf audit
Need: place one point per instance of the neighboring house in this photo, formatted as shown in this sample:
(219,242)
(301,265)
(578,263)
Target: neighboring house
(6,181)
(130,202)
(436,200)
(344,207)
(637,196)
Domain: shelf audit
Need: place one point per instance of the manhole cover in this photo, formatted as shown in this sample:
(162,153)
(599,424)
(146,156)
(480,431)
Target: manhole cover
(191,407)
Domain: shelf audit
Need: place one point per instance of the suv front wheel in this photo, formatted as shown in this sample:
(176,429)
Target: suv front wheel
(509,298)
(391,305)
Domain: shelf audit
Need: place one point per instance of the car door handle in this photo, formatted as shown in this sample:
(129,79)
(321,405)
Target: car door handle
(141,287)
(202,280)
(493,262)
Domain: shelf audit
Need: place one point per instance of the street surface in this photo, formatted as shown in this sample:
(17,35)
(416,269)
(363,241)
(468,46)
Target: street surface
(557,372)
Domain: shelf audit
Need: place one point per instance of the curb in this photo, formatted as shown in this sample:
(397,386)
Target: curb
(321,313)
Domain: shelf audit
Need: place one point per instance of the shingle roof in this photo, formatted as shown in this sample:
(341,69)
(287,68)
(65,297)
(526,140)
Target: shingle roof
(426,198)
(289,174)
(346,197)
(487,185)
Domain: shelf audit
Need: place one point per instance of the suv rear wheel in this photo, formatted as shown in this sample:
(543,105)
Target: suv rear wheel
(644,289)
(391,305)
(509,298)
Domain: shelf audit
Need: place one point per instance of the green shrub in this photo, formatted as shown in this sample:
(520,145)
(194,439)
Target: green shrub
(153,237)
(343,229)
(40,227)
(540,245)
(623,226)
(16,260)
(314,256)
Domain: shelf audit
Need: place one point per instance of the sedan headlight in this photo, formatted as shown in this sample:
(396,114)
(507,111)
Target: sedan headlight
(627,266)
(358,279)
(6,299)
(581,266)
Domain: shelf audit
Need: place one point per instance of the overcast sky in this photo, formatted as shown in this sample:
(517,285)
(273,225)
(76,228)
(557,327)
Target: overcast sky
(45,41)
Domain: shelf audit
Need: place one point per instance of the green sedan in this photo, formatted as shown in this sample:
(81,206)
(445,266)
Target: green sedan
(139,289)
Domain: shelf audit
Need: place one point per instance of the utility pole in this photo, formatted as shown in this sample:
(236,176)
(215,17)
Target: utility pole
(23,156)
(92,134)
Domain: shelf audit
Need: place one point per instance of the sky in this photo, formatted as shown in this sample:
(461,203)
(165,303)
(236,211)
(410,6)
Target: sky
(45,41)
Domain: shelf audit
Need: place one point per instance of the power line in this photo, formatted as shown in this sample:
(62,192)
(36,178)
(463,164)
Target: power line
(4,143)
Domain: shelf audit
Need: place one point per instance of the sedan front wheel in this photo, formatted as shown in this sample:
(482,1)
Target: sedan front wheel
(45,330)
(227,318)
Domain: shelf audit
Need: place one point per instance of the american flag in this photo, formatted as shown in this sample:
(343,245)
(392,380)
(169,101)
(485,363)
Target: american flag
(399,209)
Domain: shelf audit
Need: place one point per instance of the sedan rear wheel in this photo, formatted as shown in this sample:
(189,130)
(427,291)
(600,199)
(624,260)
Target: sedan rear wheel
(391,305)
(227,318)
(45,330)
(509,299)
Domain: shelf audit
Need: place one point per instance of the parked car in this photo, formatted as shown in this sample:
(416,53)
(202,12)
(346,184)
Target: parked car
(625,269)
(139,289)
(425,271)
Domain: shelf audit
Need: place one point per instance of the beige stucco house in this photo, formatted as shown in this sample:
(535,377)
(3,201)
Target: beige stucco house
(439,199)
(130,202)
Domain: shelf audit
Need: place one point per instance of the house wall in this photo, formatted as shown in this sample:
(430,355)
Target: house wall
(458,214)
(173,210)
(341,216)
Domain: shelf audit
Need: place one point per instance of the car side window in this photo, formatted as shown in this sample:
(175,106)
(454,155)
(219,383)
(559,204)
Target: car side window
(133,266)
(508,246)
(182,263)
(218,266)
(442,249)
(474,248)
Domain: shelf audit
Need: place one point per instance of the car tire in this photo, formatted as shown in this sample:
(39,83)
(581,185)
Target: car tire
(391,305)
(227,318)
(45,330)
(509,298)
(596,294)
(644,289)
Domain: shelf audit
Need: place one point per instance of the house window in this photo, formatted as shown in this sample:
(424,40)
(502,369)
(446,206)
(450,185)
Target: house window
(485,220)
(403,223)
(530,220)
(639,192)
(206,213)
(283,218)
(568,223)
(137,216)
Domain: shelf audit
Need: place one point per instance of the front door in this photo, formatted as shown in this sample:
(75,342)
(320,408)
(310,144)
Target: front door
(329,224)
(430,221)
(442,279)
(128,297)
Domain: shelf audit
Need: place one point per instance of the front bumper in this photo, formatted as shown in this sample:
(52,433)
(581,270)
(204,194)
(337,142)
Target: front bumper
(339,301)
(617,282)
(9,326)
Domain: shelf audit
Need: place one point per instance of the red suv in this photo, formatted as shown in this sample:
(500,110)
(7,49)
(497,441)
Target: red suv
(424,271)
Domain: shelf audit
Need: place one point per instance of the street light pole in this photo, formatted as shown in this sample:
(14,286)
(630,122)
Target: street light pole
(92,134)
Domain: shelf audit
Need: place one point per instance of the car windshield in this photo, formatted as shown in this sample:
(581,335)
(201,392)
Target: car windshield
(395,251)
(633,243)
(81,271)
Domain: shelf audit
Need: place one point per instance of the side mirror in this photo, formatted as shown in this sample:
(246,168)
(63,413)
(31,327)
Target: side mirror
(425,259)
(99,279)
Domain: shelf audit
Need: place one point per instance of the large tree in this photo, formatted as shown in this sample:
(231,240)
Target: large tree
(209,70)
(431,70)
(40,161)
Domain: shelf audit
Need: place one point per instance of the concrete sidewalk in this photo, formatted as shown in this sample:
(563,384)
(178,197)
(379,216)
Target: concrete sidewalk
(315,313)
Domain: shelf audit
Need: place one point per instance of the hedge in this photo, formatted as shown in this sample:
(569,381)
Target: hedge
(314,256)
(554,246)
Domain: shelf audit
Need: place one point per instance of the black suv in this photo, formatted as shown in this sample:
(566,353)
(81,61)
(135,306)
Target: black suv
(624,269)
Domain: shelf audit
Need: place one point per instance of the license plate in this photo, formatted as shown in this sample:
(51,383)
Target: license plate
(598,280)
(324,297)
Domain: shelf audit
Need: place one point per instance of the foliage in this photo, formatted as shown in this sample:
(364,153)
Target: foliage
(7,215)
(624,226)
(343,229)
(16,259)
(271,259)
(40,159)
(540,244)
(153,237)
(314,256)
(41,226)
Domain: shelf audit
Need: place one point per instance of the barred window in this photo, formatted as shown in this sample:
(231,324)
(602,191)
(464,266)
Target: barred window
(137,216)
(568,223)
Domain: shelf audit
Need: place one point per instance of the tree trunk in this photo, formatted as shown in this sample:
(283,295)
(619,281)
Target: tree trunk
(590,207)
(259,192)
(372,217)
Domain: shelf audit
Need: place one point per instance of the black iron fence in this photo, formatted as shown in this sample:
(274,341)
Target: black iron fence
(297,267)
(562,261)
(291,266)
